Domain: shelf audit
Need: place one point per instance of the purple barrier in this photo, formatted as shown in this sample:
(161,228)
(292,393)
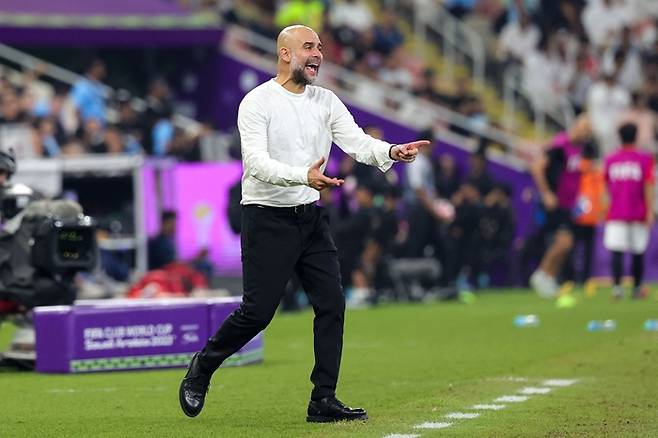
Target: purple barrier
(110,335)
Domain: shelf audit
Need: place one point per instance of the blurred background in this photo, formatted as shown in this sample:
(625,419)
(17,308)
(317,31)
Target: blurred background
(129,109)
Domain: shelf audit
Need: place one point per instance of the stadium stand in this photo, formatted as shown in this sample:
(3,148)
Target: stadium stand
(541,63)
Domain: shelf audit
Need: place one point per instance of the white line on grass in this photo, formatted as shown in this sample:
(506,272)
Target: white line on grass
(462,415)
(509,379)
(559,382)
(431,425)
(73,391)
(529,390)
(109,389)
(488,407)
(512,398)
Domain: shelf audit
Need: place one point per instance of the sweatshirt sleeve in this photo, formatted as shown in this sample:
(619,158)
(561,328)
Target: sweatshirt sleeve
(354,142)
(256,159)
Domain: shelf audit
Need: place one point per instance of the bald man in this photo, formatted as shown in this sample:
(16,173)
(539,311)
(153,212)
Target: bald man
(286,128)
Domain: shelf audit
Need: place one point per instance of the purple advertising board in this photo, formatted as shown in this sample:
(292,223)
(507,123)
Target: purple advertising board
(199,193)
(201,202)
(109,335)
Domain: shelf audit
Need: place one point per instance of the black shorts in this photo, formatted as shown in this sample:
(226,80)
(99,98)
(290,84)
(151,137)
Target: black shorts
(559,219)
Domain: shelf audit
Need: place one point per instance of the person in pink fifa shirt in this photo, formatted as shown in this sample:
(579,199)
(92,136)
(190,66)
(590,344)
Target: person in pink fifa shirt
(629,177)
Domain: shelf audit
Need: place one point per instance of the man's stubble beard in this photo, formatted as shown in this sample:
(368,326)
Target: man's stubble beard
(298,75)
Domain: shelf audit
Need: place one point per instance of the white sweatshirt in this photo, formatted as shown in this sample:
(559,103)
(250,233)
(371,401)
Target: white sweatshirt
(283,134)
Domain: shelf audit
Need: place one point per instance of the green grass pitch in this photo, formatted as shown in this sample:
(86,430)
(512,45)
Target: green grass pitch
(407,364)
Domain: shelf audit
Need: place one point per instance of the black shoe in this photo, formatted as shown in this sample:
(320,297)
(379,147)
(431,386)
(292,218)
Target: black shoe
(193,389)
(330,409)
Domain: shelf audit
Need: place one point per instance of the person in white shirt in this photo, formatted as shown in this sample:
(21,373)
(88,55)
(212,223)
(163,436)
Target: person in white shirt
(352,14)
(603,20)
(286,128)
(518,39)
(547,74)
(625,58)
(607,101)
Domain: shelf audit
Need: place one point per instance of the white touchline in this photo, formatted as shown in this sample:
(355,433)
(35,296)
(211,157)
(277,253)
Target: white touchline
(462,415)
(488,407)
(431,425)
(559,382)
(530,390)
(72,390)
(512,398)
(513,379)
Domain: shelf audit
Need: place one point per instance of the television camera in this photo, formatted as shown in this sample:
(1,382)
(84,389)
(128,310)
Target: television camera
(43,244)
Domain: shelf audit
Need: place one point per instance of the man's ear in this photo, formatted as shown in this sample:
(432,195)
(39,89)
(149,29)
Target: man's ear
(284,54)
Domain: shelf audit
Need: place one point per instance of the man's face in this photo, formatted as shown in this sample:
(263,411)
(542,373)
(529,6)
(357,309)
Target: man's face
(306,57)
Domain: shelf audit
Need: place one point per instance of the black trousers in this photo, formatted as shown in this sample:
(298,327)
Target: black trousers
(275,243)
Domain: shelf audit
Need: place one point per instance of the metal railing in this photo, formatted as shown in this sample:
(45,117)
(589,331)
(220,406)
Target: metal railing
(515,95)
(395,104)
(458,40)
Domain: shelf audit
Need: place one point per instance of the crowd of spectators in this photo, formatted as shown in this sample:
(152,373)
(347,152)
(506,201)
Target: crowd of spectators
(458,216)
(596,56)
(580,55)
(40,119)
(371,44)
(601,55)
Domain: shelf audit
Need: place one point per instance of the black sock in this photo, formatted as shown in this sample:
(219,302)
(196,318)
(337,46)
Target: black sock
(617,267)
(638,269)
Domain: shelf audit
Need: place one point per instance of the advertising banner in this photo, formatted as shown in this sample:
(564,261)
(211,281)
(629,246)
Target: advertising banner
(131,334)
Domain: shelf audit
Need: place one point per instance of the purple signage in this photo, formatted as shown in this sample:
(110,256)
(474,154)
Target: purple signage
(138,331)
(199,193)
(201,201)
(131,334)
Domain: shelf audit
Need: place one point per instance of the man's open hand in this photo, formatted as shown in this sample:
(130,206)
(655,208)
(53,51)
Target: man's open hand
(407,152)
(318,180)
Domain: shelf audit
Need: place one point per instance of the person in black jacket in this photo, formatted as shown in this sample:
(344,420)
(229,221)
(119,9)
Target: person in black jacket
(461,239)
(353,232)
(162,248)
(495,232)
